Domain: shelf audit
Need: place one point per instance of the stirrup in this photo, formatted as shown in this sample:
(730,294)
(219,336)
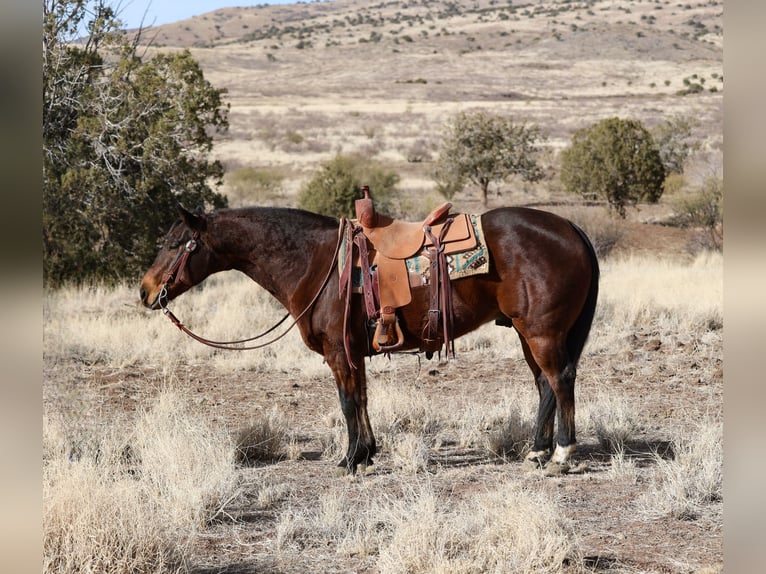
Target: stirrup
(380,343)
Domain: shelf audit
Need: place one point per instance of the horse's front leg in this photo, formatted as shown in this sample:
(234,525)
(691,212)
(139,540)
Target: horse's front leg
(352,392)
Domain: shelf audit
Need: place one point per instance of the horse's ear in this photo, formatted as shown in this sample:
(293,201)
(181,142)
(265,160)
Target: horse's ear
(195,221)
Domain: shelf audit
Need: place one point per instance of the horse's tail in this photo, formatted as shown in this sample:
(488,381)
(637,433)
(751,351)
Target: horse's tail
(578,335)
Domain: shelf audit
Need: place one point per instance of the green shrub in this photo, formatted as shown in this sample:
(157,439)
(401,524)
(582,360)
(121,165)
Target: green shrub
(333,189)
(615,160)
(486,148)
(125,138)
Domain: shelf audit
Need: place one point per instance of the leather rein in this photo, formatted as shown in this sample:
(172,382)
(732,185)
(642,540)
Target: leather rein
(176,272)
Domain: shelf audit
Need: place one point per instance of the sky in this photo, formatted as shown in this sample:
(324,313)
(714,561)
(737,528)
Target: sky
(158,12)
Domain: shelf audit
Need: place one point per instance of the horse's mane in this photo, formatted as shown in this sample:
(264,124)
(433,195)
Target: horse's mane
(282,216)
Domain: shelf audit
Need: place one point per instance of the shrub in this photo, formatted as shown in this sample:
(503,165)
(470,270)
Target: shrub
(615,160)
(704,209)
(333,189)
(124,140)
(674,141)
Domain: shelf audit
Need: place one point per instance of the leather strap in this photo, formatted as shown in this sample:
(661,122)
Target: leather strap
(177,271)
(441,308)
(367,287)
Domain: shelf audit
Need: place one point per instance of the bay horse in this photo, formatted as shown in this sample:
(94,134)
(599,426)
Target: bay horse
(543,282)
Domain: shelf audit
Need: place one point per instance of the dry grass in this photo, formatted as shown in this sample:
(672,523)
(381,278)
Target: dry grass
(671,300)
(101,325)
(614,420)
(132,499)
(431,507)
(264,439)
(685,486)
(418,529)
(507,529)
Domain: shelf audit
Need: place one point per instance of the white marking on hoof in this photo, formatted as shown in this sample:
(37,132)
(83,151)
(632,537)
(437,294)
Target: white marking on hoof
(562,453)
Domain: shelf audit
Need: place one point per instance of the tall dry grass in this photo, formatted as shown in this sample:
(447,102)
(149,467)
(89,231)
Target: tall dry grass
(105,325)
(131,499)
(671,298)
(98,324)
(684,486)
(417,528)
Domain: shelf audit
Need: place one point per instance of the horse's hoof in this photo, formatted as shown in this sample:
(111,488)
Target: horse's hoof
(344,469)
(556,468)
(365,468)
(532,464)
(535,460)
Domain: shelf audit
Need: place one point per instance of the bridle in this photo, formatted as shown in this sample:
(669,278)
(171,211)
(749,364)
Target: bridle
(178,268)
(176,273)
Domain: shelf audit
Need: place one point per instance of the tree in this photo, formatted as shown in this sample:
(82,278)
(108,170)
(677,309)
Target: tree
(124,140)
(704,209)
(333,189)
(674,142)
(616,160)
(484,148)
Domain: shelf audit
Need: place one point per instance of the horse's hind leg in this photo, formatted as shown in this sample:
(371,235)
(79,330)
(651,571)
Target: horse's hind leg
(552,358)
(546,411)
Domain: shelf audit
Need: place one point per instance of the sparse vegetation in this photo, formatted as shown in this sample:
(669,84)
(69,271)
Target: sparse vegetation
(689,483)
(424,427)
(703,209)
(253,186)
(133,501)
(614,422)
(264,439)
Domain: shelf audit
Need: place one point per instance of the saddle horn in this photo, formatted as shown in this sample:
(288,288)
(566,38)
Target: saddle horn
(365,210)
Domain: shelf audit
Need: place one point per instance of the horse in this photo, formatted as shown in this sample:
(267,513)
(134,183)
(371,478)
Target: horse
(542,282)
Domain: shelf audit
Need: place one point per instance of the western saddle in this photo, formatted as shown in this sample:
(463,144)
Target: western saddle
(380,246)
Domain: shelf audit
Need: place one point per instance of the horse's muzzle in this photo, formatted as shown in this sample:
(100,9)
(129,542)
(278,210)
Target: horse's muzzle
(153,303)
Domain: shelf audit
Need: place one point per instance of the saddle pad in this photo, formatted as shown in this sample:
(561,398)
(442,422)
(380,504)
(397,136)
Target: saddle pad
(462,264)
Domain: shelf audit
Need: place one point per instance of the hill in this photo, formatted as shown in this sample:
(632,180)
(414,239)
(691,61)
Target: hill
(307,81)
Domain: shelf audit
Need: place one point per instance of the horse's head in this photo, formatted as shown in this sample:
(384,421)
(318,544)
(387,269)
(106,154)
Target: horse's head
(184,260)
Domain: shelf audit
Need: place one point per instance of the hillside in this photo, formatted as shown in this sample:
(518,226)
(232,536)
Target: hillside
(307,81)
